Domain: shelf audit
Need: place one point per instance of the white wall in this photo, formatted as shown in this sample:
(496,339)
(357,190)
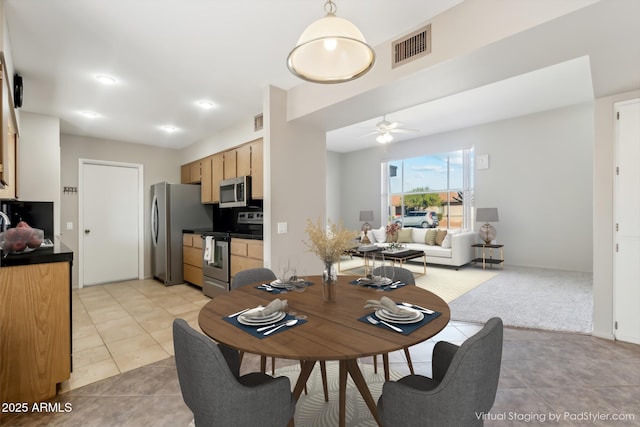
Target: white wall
(159,164)
(539,179)
(603,167)
(39,162)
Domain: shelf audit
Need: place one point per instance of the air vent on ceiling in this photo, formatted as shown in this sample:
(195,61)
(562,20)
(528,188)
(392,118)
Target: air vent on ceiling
(257,122)
(412,46)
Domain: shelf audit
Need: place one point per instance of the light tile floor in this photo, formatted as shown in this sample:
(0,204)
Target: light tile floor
(121,326)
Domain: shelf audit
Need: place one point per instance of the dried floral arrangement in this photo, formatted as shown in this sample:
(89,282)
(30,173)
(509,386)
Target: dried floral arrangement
(393,228)
(328,242)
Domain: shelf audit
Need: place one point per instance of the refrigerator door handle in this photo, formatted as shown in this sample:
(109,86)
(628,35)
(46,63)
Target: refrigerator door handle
(154,221)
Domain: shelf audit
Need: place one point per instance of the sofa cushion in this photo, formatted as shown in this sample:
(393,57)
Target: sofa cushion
(404,235)
(440,235)
(380,234)
(418,235)
(430,239)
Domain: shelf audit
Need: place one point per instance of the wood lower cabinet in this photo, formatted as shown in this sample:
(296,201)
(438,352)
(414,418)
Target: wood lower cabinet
(192,258)
(35,330)
(245,254)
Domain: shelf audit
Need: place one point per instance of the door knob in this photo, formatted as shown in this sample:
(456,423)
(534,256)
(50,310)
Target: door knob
(87,231)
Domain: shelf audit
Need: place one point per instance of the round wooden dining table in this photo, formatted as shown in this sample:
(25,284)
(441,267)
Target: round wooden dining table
(332,330)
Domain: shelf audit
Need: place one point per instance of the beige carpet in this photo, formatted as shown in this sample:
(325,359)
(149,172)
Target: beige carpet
(446,282)
(313,411)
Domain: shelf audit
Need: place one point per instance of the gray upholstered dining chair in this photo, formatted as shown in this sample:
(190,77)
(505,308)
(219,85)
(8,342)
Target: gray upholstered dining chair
(247,277)
(215,392)
(262,274)
(405,276)
(463,387)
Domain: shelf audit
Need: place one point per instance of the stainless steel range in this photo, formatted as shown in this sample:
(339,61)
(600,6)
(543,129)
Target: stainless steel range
(215,263)
(216,259)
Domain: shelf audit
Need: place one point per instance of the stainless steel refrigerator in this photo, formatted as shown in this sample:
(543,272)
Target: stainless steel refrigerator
(174,208)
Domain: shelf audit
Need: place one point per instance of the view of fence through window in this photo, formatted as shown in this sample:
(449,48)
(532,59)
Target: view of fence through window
(430,191)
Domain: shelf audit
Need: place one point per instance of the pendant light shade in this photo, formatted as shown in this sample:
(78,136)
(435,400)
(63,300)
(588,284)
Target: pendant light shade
(331,50)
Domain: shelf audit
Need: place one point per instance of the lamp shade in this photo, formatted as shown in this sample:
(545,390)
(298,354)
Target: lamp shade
(487,215)
(366,215)
(331,50)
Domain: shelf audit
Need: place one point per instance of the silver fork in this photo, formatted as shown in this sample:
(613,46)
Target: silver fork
(375,322)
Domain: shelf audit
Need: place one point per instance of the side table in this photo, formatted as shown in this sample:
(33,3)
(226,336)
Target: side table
(489,260)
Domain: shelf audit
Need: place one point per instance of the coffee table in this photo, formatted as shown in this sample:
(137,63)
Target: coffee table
(365,253)
(403,256)
(333,331)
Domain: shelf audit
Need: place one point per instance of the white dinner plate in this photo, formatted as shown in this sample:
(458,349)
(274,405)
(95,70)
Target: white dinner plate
(380,313)
(280,285)
(407,314)
(279,315)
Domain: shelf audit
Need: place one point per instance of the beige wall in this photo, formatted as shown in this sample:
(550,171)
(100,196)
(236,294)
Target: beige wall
(295,184)
(603,167)
(159,164)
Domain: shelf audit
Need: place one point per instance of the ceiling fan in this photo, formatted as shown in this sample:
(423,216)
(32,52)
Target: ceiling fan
(385,129)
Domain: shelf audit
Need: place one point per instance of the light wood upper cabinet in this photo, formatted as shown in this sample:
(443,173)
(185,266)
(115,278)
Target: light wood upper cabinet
(217,174)
(206,182)
(230,164)
(191,173)
(243,160)
(257,173)
(8,141)
(185,174)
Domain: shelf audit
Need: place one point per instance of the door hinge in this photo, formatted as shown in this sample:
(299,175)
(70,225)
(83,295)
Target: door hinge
(618,115)
(617,227)
(617,170)
(615,325)
(617,247)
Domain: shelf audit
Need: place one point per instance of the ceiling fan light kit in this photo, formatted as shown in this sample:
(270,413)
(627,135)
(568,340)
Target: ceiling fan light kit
(331,50)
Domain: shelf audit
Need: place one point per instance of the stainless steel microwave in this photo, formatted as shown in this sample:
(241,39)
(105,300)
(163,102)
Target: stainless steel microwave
(235,192)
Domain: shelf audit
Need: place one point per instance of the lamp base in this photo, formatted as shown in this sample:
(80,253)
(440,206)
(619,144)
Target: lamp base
(365,229)
(487,233)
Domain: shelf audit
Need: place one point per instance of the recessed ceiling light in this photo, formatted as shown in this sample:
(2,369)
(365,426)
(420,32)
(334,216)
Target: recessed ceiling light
(206,105)
(90,114)
(107,80)
(169,128)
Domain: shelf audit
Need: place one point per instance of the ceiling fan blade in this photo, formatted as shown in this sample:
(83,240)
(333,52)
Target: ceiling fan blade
(374,132)
(402,130)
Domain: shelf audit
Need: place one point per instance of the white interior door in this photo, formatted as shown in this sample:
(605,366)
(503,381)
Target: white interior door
(626,265)
(110,224)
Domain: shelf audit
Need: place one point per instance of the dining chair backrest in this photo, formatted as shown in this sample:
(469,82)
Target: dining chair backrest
(397,273)
(252,275)
(216,394)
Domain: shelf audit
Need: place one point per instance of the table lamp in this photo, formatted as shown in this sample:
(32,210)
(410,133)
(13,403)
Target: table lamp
(366,216)
(487,231)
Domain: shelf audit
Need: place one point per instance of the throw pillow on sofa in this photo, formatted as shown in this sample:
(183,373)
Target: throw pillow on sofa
(440,235)
(404,235)
(430,238)
(446,243)
(380,234)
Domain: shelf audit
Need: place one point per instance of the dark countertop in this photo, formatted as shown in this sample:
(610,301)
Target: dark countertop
(198,230)
(209,231)
(59,252)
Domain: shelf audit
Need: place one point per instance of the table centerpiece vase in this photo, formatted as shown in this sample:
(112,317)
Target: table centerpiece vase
(329,243)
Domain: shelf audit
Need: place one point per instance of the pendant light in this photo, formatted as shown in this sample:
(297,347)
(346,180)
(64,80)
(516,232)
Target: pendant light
(331,50)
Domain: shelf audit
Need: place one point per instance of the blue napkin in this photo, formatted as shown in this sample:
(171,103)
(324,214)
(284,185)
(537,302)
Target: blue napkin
(253,329)
(407,328)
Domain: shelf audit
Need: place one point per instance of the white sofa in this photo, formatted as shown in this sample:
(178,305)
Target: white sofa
(455,250)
